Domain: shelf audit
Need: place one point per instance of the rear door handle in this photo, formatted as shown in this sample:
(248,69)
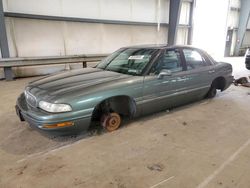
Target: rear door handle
(211,71)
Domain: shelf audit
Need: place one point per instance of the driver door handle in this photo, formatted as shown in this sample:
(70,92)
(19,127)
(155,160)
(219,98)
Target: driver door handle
(211,71)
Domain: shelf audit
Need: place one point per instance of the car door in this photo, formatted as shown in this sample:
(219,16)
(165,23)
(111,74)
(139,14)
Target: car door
(160,93)
(199,73)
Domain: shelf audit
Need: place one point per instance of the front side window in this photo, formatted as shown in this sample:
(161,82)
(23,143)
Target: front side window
(193,59)
(130,61)
(170,60)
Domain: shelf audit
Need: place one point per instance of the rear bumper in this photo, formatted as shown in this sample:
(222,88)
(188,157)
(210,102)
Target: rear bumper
(229,81)
(37,119)
(247,62)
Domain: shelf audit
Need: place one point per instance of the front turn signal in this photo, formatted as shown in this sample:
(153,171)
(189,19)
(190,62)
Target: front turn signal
(57,125)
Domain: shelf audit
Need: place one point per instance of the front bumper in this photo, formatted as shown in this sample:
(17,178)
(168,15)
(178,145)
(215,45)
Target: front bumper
(38,118)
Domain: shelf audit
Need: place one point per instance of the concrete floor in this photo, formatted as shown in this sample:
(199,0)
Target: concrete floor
(205,144)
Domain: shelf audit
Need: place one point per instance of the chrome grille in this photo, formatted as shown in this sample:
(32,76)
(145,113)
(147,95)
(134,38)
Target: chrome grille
(31,99)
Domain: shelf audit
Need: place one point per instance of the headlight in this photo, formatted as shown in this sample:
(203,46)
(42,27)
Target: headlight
(51,107)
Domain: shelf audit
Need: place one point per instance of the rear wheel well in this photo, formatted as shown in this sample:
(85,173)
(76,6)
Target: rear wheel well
(219,83)
(123,105)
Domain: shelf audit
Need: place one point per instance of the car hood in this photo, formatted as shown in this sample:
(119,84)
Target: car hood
(74,80)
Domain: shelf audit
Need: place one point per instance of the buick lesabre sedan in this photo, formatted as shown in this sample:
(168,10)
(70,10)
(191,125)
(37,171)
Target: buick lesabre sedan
(131,82)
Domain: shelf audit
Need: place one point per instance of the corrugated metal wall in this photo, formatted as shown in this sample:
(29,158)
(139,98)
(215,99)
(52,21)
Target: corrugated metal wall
(32,37)
(182,32)
(44,38)
(233,22)
(246,40)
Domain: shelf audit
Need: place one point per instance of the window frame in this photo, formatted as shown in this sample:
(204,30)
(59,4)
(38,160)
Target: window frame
(207,61)
(160,55)
(145,69)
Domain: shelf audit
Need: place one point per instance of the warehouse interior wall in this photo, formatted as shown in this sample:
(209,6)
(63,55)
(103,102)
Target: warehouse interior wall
(38,37)
(30,37)
(129,10)
(56,38)
(246,39)
(232,27)
(1,70)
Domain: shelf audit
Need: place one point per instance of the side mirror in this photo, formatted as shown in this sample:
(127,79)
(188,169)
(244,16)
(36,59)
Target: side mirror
(163,73)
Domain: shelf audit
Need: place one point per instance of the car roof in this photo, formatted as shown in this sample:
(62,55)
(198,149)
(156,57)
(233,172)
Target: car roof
(159,46)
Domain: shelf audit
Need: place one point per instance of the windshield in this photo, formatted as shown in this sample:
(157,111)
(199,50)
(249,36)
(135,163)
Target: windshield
(128,61)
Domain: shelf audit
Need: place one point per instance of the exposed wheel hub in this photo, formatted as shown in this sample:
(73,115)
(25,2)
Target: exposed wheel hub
(111,121)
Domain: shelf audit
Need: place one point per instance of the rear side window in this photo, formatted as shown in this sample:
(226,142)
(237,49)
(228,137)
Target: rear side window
(193,59)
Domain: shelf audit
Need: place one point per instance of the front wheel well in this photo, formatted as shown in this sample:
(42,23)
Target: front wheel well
(123,105)
(219,83)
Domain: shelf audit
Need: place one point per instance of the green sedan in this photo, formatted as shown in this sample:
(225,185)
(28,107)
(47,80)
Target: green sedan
(131,82)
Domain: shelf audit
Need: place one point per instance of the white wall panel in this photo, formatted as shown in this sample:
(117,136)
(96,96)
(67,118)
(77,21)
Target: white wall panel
(233,19)
(37,70)
(234,40)
(114,36)
(11,37)
(246,40)
(44,7)
(81,8)
(144,10)
(164,11)
(148,10)
(185,11)
(149,35)
(248,24)
(82,38)
(235,3)
(29,37)
(182,34)
(125,10)
(116,10)
(38,37)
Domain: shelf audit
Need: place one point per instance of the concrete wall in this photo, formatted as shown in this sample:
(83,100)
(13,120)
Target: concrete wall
(28,37)
(32,37)
(233,22)
(129,10)
(246,40)
(1,70)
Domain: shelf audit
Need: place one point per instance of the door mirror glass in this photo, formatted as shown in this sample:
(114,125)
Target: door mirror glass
(163,73)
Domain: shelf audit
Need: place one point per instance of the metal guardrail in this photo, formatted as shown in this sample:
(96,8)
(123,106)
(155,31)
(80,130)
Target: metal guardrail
(8,63)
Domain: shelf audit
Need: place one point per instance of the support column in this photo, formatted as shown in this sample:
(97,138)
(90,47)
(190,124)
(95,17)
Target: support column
(4,43)
(174,15)
(190,23)
(244,17)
